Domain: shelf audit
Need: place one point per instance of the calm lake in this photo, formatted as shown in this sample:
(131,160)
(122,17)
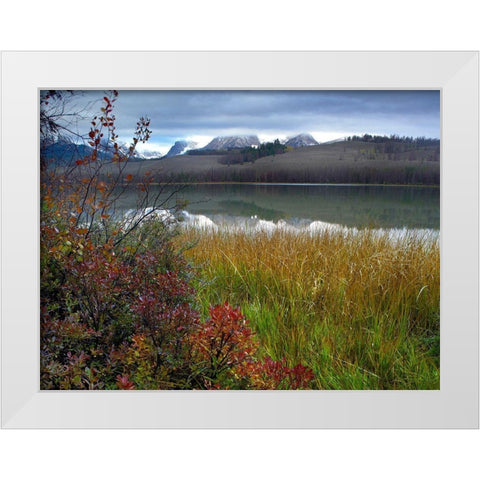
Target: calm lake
(375,206)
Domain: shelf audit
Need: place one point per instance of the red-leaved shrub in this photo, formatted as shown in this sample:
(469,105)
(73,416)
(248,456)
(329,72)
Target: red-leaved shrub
(117,307)
(226,350)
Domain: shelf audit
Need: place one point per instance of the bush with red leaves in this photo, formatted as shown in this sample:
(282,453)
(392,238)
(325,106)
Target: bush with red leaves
(117,308)
(226,349)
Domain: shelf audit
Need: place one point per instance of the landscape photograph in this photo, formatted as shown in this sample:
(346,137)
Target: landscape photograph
(239,239)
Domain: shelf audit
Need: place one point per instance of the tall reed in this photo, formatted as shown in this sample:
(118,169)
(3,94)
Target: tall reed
(359,308)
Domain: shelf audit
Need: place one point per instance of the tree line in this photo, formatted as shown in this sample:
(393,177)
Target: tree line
(250,154)
(398,173)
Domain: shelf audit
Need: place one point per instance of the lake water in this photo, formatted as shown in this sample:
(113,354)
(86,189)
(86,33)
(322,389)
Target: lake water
(359,206)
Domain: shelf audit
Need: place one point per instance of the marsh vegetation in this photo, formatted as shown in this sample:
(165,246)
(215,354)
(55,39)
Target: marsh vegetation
(361,309)
(311,290)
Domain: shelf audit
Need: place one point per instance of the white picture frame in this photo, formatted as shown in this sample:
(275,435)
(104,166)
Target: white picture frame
(455,405)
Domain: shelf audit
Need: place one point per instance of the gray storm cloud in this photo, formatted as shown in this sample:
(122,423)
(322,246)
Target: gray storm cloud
(181,114)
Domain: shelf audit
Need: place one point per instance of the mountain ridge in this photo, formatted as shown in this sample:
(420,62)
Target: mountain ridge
(180,147)
(232,141)
(301,140)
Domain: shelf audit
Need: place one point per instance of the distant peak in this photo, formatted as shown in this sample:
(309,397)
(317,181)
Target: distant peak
(232,141)
(180,147)
(301,140)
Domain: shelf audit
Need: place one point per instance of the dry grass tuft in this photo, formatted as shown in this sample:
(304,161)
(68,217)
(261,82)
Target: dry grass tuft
(360,309)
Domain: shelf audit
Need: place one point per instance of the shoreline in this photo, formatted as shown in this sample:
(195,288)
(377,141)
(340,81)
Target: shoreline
(293,184)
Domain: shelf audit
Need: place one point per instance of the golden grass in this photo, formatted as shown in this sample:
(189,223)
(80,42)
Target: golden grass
(360,309)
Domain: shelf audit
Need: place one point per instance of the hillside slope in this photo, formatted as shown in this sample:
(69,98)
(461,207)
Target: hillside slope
(341,162)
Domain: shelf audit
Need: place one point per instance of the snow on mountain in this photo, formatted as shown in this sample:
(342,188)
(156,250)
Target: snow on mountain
(301,140)
(180,147)
(64,151)
(235,141)
(141,153)
(148,155)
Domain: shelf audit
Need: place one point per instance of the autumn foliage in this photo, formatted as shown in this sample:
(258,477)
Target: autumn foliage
(117,307)
(225,349)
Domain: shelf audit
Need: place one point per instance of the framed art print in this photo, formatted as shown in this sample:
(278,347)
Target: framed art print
(240,239)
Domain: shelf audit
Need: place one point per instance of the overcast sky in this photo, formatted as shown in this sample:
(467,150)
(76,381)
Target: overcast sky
(327,115)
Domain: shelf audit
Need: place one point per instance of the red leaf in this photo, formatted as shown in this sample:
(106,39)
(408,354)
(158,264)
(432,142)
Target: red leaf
(123,383)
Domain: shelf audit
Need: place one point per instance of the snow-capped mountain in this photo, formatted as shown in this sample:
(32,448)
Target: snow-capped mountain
(65,152)
(235,141)
(180,147)
(301,140)
(148,155)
